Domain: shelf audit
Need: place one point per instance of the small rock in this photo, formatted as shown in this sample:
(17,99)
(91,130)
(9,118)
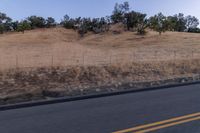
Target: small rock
(183,81)
(98,90)
(131,85)
(116,85)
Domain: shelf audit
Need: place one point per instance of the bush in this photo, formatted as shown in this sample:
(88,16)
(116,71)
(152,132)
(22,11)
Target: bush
(36,22)
(1,29)
(194,30)
(141,30)
(24,25)
(50,22)
(82,30)
(158,23)
(69,24)
(119,12)
(134,19)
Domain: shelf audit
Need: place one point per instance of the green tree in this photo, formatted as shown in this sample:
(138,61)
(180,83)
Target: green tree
(191,22)
(1,28)
(100,25)
(37,22)
(66,17)
(5,23)
(4,18)
(181,22)
(68,23)
(171,23)
(142,25)
(14,25)
(82,30)
(119,12)
(134,19)
(158,23)
(50,22)
(23,25)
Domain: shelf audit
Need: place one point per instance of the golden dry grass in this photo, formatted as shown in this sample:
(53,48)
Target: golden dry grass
(61,47)
(126,57)
(40,83)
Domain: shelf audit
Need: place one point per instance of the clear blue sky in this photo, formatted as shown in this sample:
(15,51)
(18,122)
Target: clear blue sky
(20,9)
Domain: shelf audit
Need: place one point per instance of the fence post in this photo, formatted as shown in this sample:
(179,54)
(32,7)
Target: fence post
(192,54)
(156,52)
(52,61)
(17,63)
(174,55)
(174,63)
(110,59)
(83,59)
(133,59)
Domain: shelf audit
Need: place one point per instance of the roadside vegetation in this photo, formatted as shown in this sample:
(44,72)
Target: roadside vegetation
(46,83)
(48,59)
(132,21)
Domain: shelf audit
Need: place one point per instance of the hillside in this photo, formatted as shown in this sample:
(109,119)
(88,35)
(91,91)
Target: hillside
(46,63)
(129,39)
(62,47)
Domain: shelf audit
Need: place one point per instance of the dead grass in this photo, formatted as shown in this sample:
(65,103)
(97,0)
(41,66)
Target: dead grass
(57,62)
(61,47)
(39,83)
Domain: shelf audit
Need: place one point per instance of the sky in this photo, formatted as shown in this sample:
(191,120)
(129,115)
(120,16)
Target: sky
(20,9)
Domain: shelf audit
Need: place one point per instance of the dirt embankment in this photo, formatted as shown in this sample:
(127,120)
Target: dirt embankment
(43,83)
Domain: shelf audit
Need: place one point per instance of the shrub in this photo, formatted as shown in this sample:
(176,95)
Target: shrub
(36,22)
(24,25)
(50,22)
(158,23)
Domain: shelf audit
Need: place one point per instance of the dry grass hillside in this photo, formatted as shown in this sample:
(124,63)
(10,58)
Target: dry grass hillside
(57,62)
(61,47)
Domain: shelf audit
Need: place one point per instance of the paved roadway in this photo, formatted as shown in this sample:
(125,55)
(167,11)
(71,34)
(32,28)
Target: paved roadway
(179,107)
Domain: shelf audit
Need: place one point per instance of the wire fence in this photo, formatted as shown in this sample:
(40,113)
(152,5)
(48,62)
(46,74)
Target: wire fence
(87,59)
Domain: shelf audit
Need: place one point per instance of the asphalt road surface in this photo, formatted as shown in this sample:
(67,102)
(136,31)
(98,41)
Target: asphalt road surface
(172,110)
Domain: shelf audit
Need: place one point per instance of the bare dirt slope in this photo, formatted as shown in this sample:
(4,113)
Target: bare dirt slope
(61,47)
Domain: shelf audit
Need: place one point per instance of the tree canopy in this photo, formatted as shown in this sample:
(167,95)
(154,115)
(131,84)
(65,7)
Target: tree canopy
(132,21)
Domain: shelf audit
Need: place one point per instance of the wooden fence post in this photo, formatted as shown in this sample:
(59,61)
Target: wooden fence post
(83,59)
(17,62)
(52,61)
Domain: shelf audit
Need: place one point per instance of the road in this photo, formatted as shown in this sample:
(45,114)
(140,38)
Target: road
(161,111)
